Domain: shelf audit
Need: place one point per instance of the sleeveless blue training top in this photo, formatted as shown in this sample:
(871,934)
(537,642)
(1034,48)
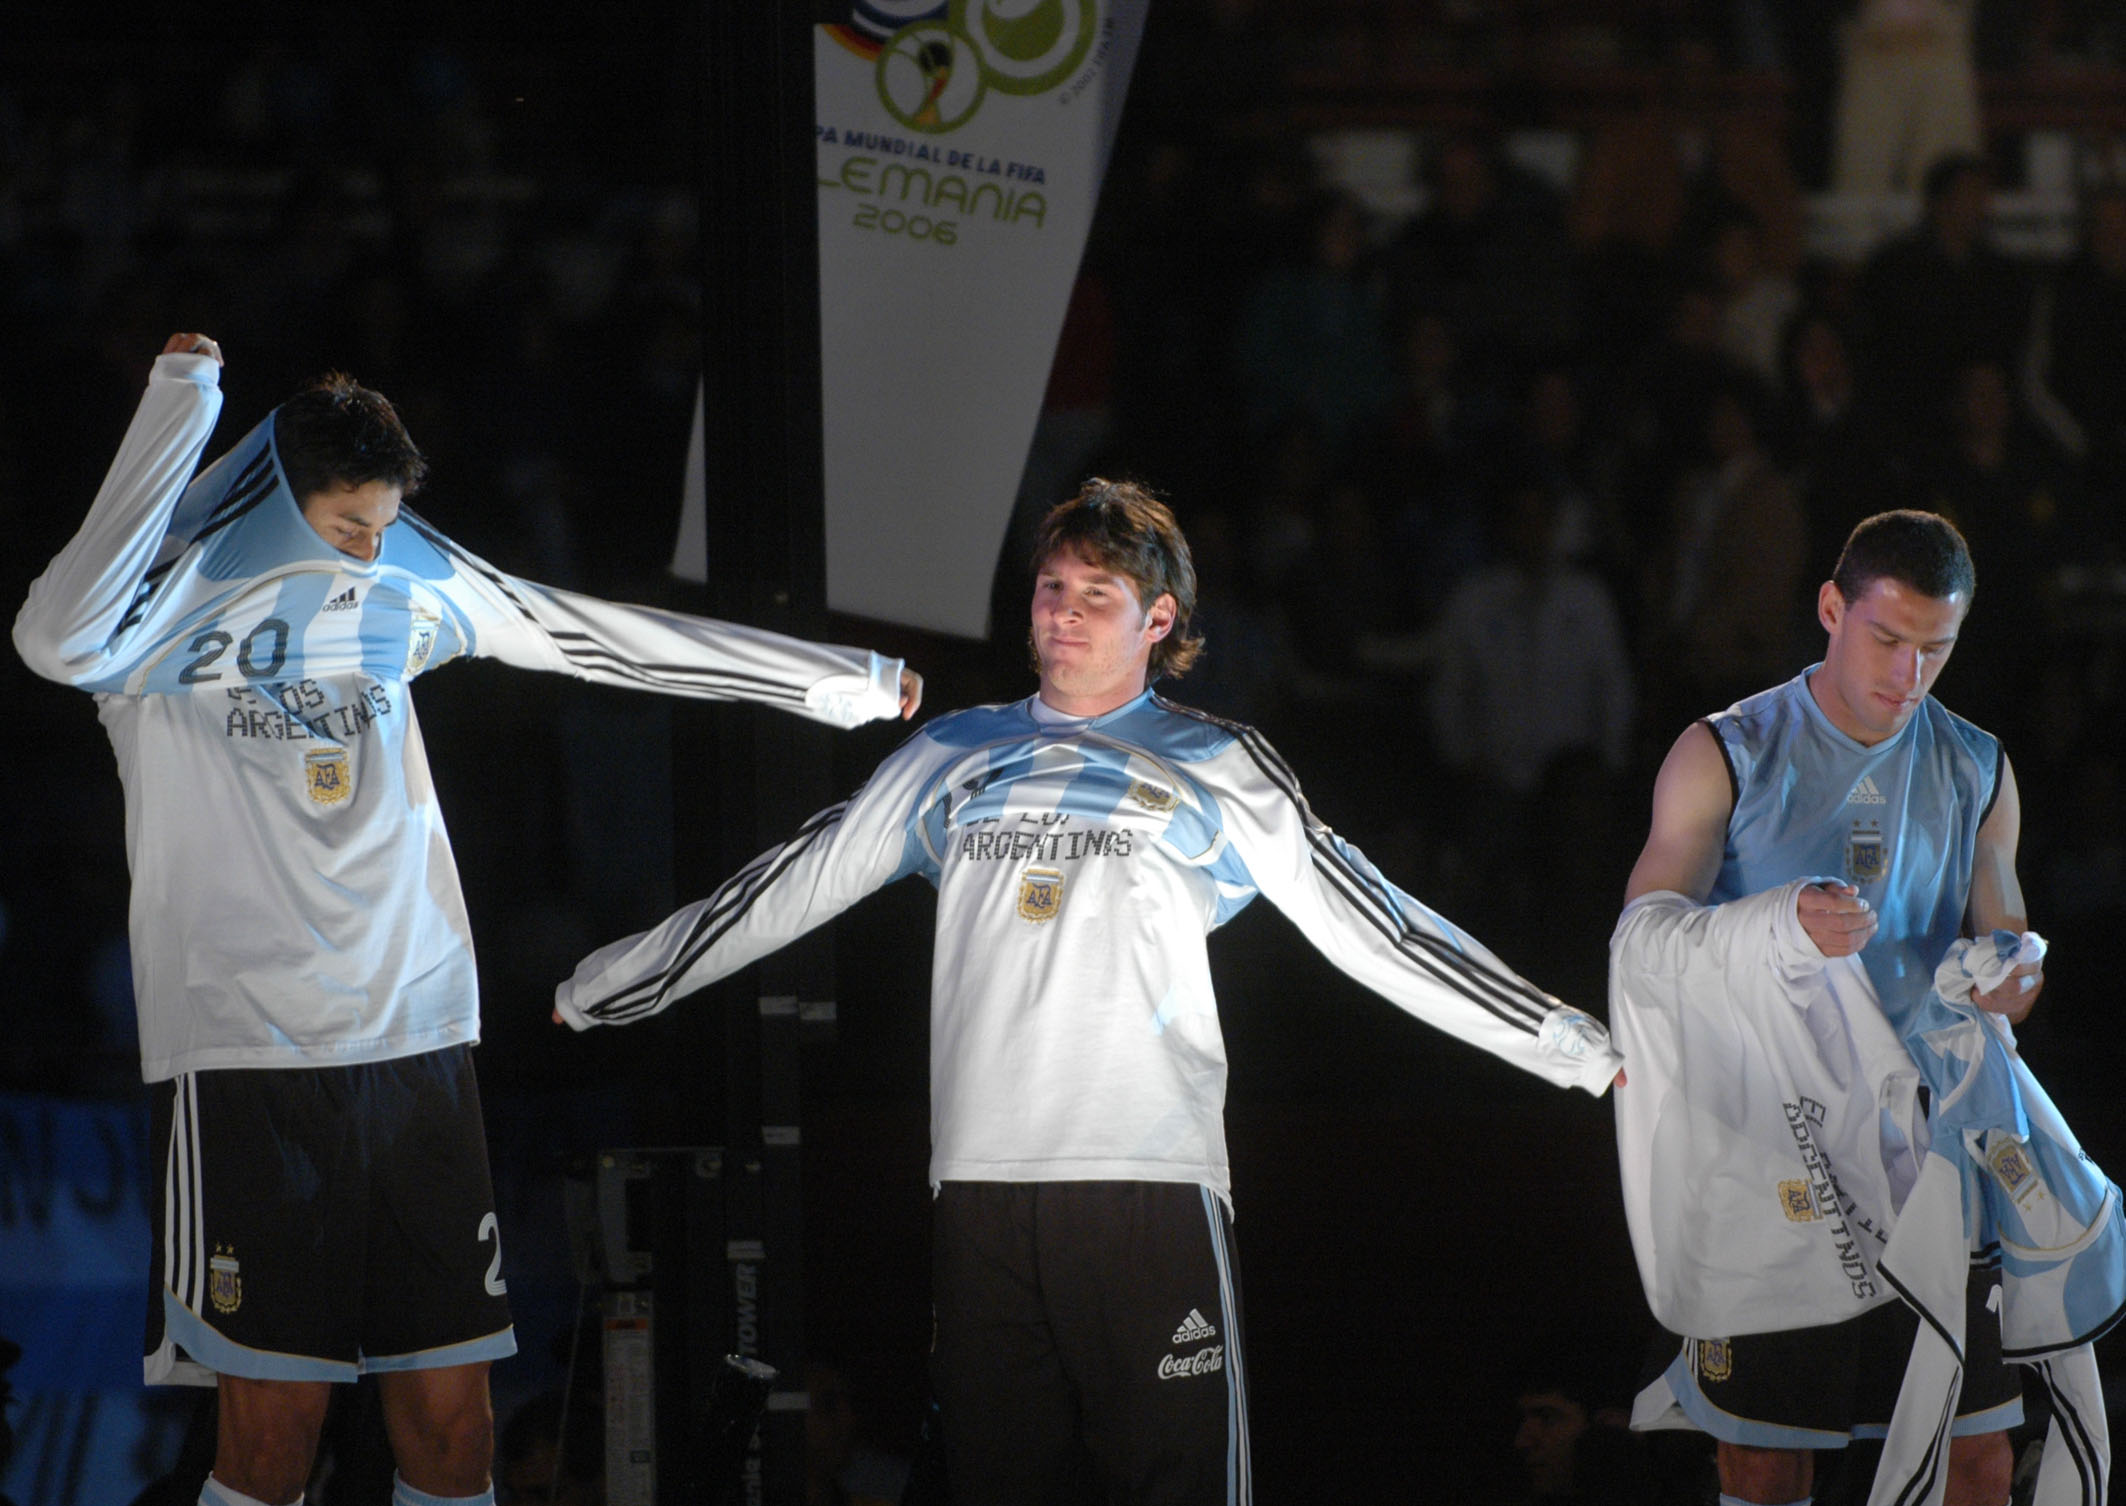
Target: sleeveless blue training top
(1898,820)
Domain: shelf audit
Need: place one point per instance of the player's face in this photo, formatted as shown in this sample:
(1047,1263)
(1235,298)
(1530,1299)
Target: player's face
(1092,635)
(1885,651)
(352,519)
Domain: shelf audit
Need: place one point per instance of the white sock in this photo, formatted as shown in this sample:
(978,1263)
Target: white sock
(403,1494)
(214,1493)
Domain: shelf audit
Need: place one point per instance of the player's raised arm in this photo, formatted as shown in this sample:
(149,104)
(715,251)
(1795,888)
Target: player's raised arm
(71,626)
(187,343)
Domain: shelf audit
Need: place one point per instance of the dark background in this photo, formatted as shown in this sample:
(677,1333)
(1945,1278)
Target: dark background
(492,216)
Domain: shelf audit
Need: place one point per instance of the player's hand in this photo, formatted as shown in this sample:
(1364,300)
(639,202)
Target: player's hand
(911,692)
(1837,919)
(192,344)
(2016,994)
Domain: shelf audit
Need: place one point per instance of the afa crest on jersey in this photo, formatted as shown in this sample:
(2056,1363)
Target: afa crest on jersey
(1867,859)
(2014,1170)
(1153,798)
(1040,894)
(1716,1362)
(1795,1202)
(225,1283)
(327,776)
(422,643)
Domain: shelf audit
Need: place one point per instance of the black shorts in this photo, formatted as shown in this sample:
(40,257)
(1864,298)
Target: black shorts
(319,1222)
(1810,1388)
(1088,1344)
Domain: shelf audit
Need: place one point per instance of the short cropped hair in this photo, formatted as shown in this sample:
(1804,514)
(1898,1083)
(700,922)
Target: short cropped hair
(1121,527)
(1921,550)
(336,432)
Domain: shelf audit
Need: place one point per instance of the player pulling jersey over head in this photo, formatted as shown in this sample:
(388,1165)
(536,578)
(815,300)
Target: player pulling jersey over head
(348,460)
(251,635)
(1084,842)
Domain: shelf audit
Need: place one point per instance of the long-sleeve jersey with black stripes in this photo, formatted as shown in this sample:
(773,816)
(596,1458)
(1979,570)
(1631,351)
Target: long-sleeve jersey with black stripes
(1080,865)
(294,898)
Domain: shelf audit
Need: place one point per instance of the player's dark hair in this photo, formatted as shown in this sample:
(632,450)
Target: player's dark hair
(1121,527)
(337,432)
(1920,550)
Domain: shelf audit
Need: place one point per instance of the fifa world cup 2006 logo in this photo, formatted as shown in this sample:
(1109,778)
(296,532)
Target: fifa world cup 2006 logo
(936,69)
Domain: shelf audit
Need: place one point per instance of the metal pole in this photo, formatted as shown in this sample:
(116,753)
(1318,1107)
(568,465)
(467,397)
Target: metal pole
(766,566)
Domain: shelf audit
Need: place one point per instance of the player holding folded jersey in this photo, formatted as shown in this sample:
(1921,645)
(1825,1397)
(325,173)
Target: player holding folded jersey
(250,635)
(1083,843)
(1874,823)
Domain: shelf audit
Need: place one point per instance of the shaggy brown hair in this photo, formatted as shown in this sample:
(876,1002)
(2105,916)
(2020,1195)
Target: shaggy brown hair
(1121,527)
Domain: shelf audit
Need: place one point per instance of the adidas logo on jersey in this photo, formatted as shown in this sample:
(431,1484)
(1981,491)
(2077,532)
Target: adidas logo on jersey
(1865,793)
(344,602)
(1193,1329)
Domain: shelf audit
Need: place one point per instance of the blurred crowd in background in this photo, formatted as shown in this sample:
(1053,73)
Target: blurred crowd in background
(1516,368)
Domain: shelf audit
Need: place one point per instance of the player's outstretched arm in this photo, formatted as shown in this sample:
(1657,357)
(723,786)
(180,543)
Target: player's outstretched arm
(836,858)
(1407,953)
(71,627)
(1997,898)
(532,626)
(772,901)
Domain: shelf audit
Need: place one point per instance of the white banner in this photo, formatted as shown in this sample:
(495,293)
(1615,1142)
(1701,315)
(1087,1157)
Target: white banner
(961,147)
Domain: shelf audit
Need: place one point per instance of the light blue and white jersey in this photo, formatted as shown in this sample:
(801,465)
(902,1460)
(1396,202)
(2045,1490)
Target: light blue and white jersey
(1080,864)
(294,898)
(1898,820)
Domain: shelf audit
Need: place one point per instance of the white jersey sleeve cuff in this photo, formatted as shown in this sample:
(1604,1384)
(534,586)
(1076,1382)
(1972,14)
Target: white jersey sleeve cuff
(851,700)
(187,366)
(1578,1036)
